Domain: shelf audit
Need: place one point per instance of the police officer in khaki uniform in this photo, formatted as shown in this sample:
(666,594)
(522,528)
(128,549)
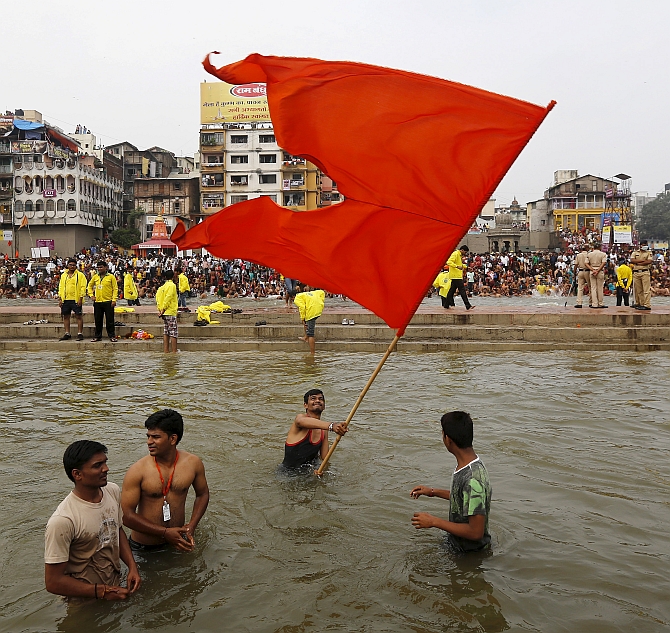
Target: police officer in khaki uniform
(581,273)
(596,261)
(641,261)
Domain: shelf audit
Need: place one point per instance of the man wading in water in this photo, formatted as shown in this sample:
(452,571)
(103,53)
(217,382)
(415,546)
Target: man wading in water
(153,499)
(470,494)
(84,540)
(308,436)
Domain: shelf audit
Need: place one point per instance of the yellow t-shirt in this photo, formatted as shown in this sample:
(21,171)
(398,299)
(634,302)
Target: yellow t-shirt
(455,263)
(72,288)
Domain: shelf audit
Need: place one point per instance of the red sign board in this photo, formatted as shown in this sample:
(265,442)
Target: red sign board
(43,243)
(49,193)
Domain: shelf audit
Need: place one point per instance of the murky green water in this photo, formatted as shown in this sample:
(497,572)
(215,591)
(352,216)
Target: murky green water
(577,448)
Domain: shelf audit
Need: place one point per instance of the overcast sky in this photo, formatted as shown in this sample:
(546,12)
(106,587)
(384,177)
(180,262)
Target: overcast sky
(131,70)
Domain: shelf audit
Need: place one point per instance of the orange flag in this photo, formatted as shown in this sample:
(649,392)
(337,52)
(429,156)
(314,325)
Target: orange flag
(416,158)
(24,222)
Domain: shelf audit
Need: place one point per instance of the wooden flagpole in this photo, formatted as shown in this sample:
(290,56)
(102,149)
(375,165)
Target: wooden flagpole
(391,347)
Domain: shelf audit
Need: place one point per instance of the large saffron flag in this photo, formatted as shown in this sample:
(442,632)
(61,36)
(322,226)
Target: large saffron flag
(416,158)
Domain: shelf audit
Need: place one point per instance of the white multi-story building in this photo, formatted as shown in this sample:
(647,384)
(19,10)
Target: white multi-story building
(241,163)
(253,164)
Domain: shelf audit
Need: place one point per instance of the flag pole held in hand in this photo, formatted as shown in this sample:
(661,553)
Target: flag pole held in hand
(391,347)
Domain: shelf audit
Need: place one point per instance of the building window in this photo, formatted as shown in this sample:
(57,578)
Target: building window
(294,200)
(212,180)
(18,207)
(239,180)
(268,158)
(60,205)
(177,186)
(267,138)
(239,160)
(214,159)
(236,199)
(268,179)
(212,138)
(594,185)
(272,196)
(212,203)
(239,138)
(177,206)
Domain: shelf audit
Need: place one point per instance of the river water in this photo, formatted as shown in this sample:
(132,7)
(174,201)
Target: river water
(577,448)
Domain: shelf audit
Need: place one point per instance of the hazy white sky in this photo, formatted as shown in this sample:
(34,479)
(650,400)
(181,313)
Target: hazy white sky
(131,70)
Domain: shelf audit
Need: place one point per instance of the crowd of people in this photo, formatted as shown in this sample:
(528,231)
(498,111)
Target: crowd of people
(543,273)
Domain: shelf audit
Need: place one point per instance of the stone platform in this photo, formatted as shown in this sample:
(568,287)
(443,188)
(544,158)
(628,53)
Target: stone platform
(432,329)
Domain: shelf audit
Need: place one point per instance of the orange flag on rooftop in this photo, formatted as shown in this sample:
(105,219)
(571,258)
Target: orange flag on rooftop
(24,222)
(416,158)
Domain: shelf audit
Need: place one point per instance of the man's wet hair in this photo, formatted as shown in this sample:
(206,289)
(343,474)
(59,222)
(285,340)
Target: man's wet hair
(313,392)
(78,453)
(457,426)
(168,274)
(167,420)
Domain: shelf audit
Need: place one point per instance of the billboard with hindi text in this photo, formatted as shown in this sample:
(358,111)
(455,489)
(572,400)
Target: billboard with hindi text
(227,103)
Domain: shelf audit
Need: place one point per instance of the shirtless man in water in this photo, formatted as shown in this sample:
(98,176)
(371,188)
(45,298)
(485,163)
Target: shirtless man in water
(308,436)
(154,492)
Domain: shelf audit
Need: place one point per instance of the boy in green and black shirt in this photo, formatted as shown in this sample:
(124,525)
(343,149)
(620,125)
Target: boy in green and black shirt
(470,494)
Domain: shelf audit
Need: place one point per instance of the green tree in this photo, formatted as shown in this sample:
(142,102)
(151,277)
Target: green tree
(654,222)
(125,237)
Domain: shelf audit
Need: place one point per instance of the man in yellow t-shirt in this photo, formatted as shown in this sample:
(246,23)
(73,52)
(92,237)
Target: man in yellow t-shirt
(183,289)
(456,268)
(624,280)
(71,293)
(130,293)
(167,304)
(444,283)
(104,291)
(310,304)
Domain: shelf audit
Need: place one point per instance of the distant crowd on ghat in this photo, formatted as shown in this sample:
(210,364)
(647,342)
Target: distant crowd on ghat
(489,274)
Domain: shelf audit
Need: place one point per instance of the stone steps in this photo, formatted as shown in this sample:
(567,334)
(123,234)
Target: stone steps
(613,317)
(269,345)
(369,333)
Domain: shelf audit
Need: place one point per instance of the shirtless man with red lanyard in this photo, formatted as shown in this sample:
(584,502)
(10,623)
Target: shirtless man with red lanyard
(308,436)
(154,492)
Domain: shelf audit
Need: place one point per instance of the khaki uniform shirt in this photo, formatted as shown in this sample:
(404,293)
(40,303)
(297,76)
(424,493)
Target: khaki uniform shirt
(596,258)
(580,261)
(638,254)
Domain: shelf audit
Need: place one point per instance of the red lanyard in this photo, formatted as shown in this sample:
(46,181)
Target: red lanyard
(165,489)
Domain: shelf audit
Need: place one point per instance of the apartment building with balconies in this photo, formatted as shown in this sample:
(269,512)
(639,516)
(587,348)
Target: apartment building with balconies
(578,201)
(242,161)
(174,197)
(65,196)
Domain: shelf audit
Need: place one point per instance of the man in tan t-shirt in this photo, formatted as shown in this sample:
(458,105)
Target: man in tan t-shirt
(581,273)
(84,539)
(596,261)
